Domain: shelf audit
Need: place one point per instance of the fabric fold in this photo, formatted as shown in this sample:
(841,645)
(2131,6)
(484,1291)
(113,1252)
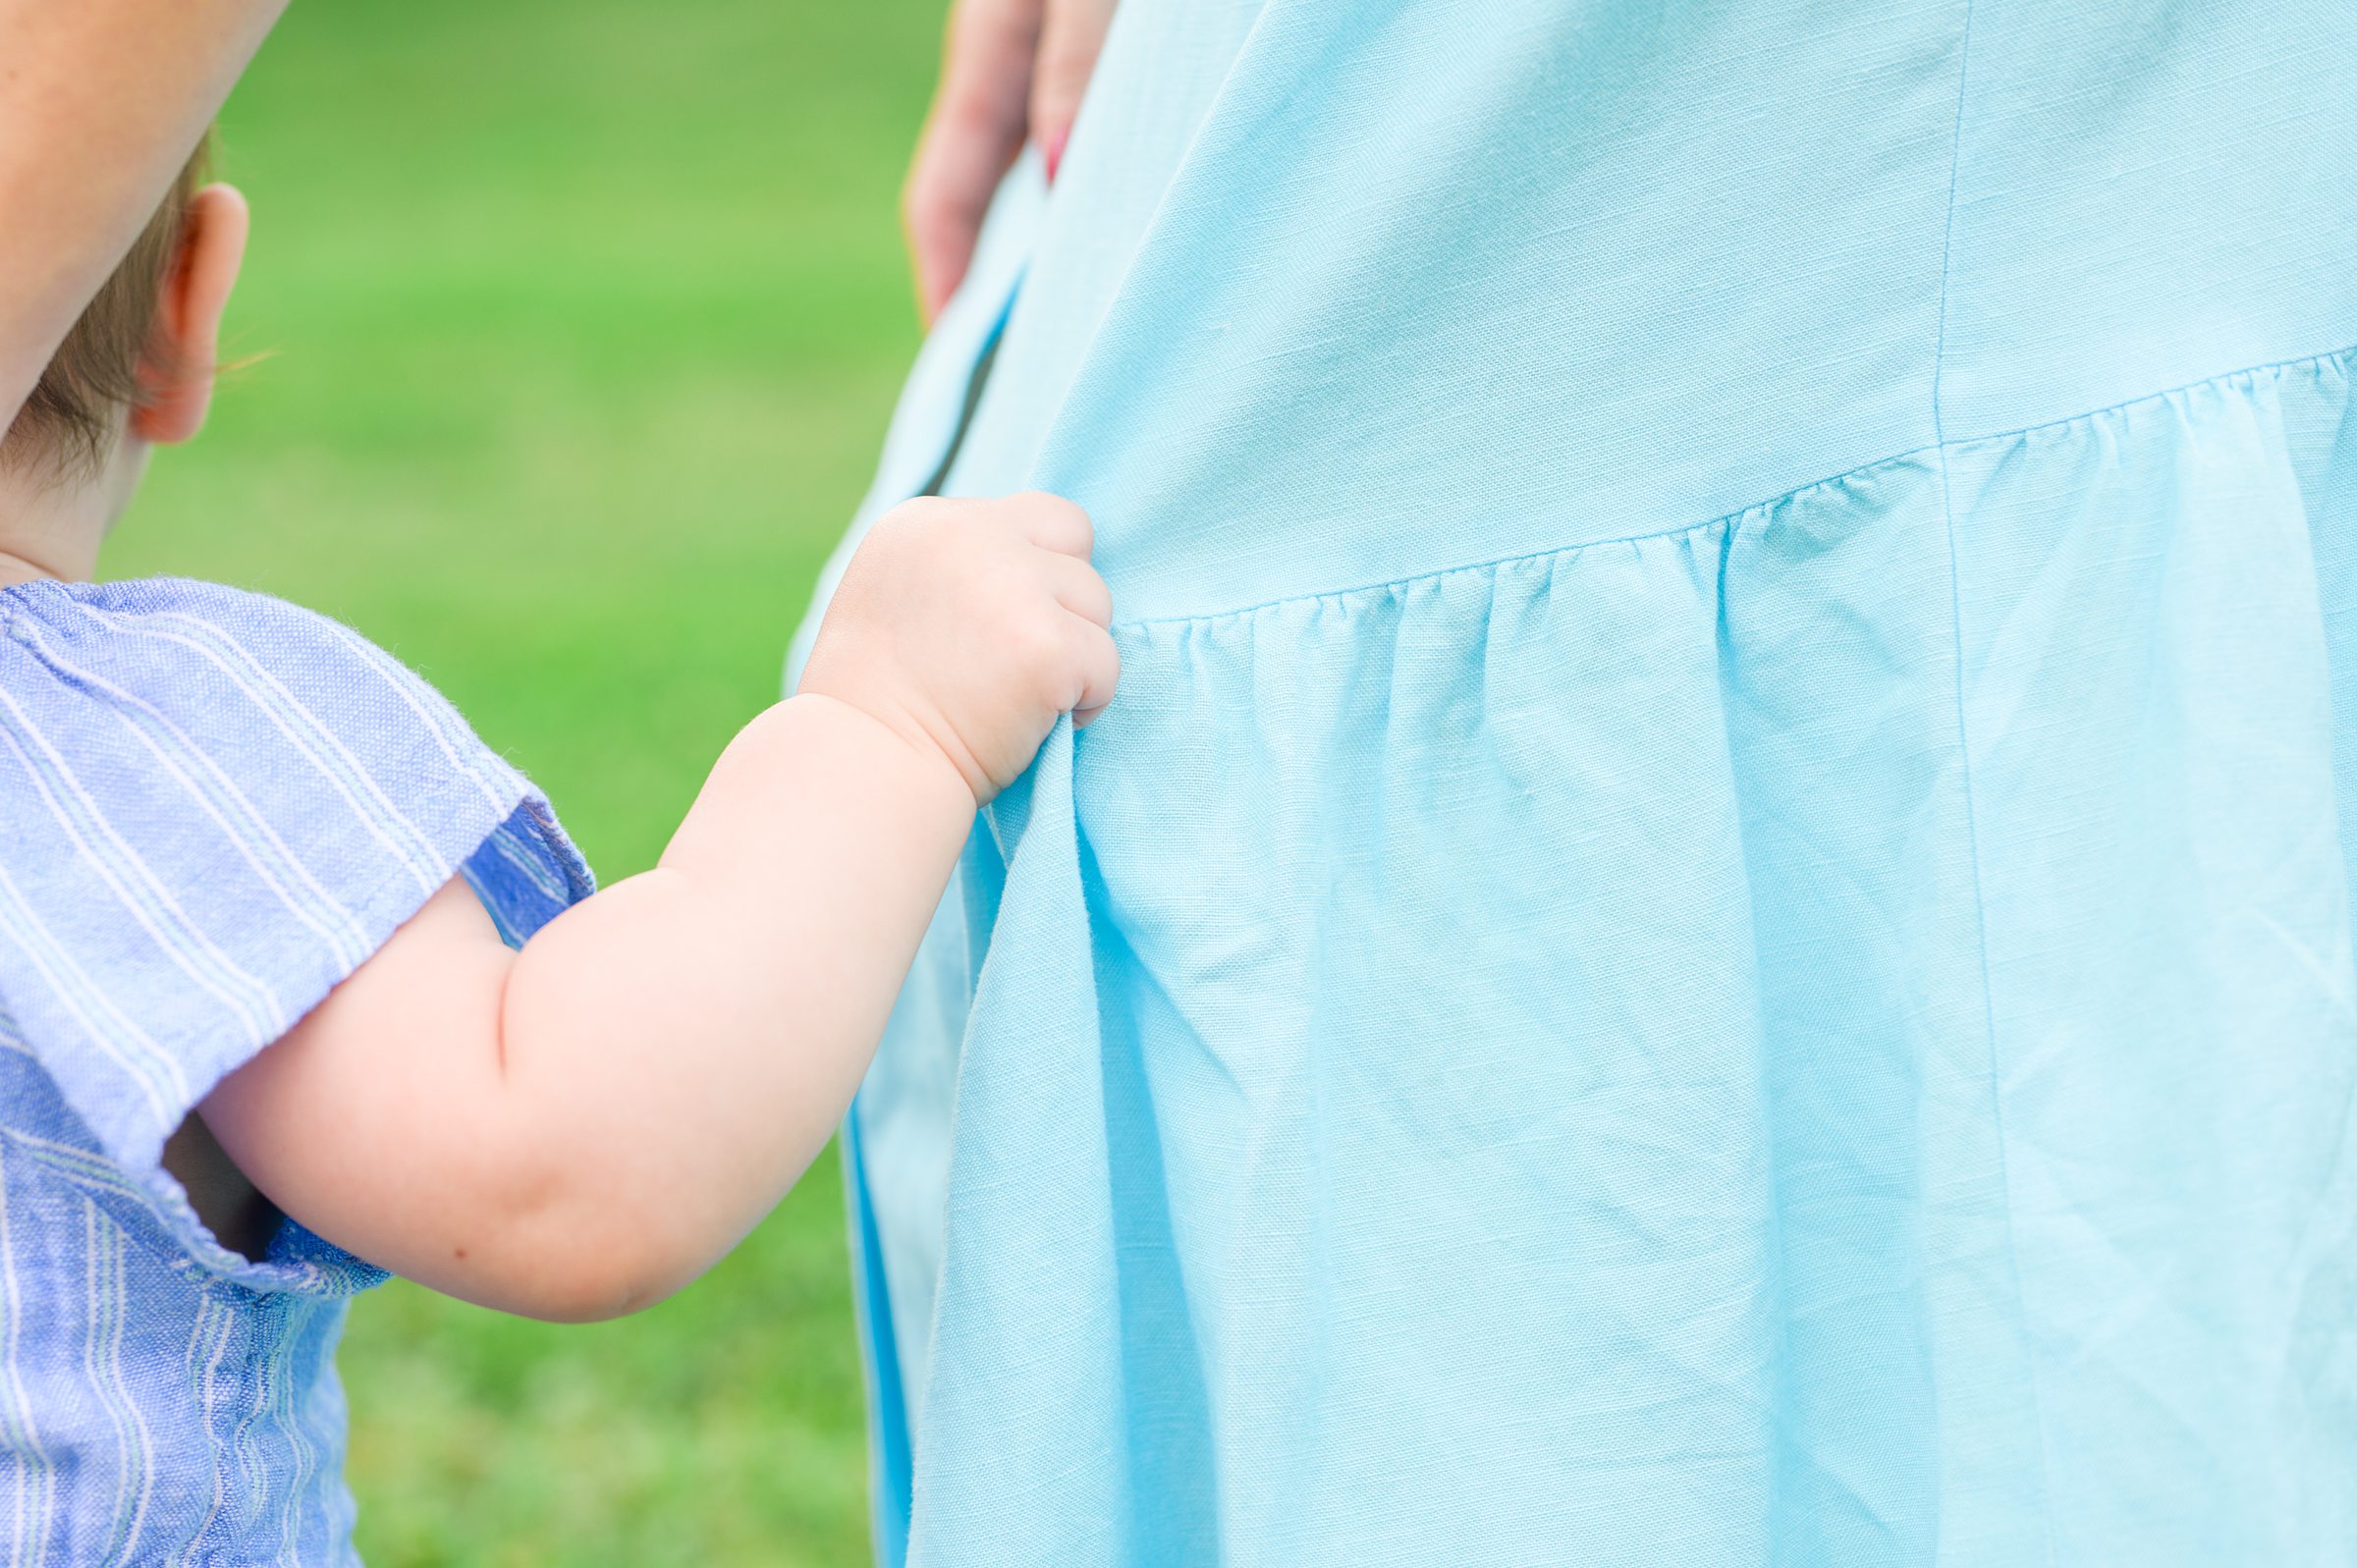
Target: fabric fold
(1329,1119)
(1712,924)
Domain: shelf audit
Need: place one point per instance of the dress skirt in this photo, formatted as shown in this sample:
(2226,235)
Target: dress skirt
(1714,924)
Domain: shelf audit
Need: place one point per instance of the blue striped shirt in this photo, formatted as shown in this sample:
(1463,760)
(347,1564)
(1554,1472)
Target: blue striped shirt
(213,807)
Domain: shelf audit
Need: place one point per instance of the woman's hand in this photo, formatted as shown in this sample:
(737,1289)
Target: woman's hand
(1011,71)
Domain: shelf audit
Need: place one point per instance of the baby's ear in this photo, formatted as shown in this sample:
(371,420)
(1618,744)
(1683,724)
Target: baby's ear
(176,378)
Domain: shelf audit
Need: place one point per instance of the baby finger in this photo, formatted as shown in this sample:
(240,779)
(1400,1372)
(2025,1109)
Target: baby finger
(1100,671)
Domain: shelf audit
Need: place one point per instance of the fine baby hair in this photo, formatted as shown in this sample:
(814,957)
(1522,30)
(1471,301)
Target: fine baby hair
(68,419)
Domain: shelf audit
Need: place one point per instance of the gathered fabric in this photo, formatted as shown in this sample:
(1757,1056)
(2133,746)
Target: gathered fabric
(1713,924)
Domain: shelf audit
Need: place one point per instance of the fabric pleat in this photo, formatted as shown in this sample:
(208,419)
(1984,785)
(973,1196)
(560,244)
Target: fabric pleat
(1713,924)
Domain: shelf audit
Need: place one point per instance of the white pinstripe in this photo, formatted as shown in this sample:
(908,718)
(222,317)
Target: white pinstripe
(102,1290)
(428,882)
(33,1472)
(306,1460)
(190,951)
(259,684)
(402,687)
(144,1439)
(207,1311)
(180,1422)
(80,995)
(341,928)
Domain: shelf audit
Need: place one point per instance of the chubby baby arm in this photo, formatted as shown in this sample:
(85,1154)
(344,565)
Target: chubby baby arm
(576,1129)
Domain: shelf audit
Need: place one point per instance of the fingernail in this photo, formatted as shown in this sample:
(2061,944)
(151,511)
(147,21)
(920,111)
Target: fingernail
(1053,151)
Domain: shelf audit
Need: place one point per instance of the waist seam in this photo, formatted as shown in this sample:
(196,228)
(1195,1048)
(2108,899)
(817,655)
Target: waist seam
(1923,457)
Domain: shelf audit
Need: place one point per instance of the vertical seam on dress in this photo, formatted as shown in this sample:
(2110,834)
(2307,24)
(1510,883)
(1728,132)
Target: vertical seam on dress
(1972,830)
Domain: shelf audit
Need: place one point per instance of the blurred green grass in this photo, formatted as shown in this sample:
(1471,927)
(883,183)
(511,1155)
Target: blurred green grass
(577,325)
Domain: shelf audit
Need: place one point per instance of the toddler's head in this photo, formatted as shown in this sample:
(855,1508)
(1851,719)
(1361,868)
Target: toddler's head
(136,370)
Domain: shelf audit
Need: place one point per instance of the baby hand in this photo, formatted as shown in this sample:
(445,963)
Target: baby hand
(967,626)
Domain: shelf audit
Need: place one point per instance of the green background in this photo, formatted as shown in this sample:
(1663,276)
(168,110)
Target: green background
(573,326)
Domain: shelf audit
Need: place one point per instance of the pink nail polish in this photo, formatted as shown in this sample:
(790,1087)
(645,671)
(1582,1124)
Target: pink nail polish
(1053,151)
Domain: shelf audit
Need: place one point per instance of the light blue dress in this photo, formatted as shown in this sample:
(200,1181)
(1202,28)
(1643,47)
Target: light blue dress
(213,807)
(1713,927)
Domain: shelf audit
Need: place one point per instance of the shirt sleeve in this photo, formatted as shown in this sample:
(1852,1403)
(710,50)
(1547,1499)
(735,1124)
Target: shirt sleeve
(218,806)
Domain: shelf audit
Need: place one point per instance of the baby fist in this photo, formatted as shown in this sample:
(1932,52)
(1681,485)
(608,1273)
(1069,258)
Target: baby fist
(968,627)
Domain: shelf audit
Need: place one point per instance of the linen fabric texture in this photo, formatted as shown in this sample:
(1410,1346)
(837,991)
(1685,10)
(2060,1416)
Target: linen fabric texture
(216,806)
(1713,924)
